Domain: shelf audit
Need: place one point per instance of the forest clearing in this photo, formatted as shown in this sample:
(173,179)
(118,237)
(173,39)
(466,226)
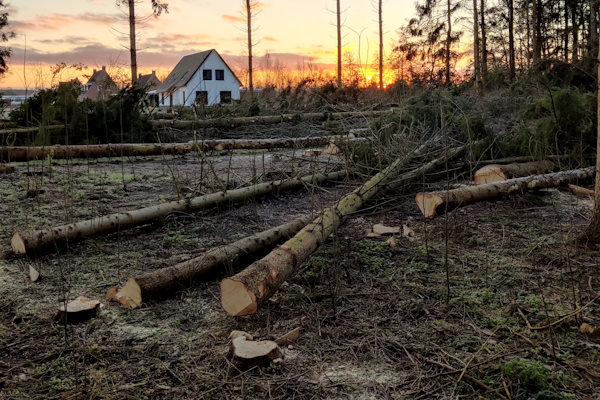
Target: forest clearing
(421,221)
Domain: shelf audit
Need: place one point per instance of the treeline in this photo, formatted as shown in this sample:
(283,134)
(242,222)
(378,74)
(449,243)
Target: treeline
(119,118)
(509,38)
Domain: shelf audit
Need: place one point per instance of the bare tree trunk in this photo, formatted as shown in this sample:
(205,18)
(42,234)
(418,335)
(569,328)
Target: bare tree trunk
(339,44)
(448,39)
(381,44)
(593,27)
(249,27)
(484,69)
(575,34)
(132,44)
(592,232)
(528,27)
(511,40)
(476,69)
(537,55)
(566,33)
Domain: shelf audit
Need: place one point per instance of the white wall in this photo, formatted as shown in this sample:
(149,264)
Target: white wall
(213,87)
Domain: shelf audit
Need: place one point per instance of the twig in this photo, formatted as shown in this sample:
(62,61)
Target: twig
(567,316)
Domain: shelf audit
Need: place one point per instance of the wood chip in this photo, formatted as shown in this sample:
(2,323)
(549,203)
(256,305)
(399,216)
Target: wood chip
(289,337)
(589,329)
(392,242)
(111,294)
(407,232)
(380,229)
(34,275)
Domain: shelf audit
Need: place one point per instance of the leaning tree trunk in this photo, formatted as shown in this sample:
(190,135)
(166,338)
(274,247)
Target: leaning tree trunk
(23,242)
(132,42)
(166,281)
(29,153)
(245,292)
(430,203)
(496,173)
(592,232)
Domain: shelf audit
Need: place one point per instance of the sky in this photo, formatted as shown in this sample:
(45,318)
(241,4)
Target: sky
(95,33)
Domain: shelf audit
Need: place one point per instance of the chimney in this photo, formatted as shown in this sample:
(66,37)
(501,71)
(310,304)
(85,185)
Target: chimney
(153,72)
(104,68)
(94,70)
(140,75)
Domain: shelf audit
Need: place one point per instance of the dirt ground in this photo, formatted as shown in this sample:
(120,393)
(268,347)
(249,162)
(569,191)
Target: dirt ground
(375,321)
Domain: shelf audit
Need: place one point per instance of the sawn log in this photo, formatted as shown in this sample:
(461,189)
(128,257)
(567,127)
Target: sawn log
(496,172)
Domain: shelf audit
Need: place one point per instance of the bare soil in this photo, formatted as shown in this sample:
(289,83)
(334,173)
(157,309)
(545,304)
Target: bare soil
(376,321)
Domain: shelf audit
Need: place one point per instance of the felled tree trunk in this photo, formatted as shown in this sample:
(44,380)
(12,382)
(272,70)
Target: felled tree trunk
(166,281)
(29,153)
(6,169)
(34,129)
(245,292)
(264,120)
(430,203)
(496,173)
(23,242)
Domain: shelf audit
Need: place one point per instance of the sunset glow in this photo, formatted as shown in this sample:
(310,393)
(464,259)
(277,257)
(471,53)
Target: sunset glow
(298,36)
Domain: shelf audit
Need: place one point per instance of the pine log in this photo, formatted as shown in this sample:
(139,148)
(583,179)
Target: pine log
(34,129)
(29,153)
(496,173)
(429,203)
(264,120)
(24,242)
(581,191)
(166,281)
(245,292)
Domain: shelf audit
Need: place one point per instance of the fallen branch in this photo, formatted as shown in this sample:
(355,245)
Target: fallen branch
(166,281)
(565,317)
(429,203)
(264,120)
(34,129)
(496,172)
(24,242)
(29,153)
(245,292)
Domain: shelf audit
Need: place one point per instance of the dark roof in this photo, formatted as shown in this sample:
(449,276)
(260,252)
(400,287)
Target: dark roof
(100,76)
(149,81)
(185,69)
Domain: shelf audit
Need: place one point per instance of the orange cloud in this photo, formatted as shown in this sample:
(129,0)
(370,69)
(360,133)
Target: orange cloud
(232,18)
(57,21)
(270,39)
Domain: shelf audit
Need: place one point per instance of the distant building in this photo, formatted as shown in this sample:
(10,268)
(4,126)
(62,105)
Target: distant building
(100,86)
(201,78)
(149,83)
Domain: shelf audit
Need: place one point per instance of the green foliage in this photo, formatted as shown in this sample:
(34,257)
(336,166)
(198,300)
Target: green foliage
(531,375)
(87,121)
(254,108)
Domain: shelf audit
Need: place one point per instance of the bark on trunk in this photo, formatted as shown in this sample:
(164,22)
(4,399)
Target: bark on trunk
(496,173)
(132,42)
(380,44)
(29,153)
(429,203)
(245,292)
(23,242)
(511,41)
(537,51)
(476,69)
(484,69)
(166,281)
(448,41)
(267,119)
(249,28)
(592,232)
(339,44)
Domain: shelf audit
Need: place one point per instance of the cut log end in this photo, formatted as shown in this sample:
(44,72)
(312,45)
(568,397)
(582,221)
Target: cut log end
(489,174)
(237,299)
(428,204)
(18,244)
(130,295)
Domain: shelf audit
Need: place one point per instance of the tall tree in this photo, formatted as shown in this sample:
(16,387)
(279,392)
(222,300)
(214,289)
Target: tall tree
(476,69)
(4,36)
(380,12)
(535,22)
(250,11)
(339,43)
(484,51)
(448,39)
(511,40)
(157,8)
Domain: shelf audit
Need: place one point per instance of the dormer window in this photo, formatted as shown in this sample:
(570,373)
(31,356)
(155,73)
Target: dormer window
(207,74)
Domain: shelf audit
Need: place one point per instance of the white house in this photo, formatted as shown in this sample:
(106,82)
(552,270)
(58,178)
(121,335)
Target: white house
(201,78)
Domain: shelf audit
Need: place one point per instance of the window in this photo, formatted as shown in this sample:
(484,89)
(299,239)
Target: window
(201,97)
(220,74)
(226,97)
(183,98)
(207,74)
